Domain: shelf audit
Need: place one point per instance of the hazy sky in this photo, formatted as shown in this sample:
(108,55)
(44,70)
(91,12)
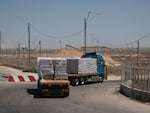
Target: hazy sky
(55,21)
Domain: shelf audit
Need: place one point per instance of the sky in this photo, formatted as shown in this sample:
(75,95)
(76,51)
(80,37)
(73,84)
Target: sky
(112,23)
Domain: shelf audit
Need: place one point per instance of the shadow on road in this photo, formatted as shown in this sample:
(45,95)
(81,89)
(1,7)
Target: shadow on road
(33,92)
(36,94)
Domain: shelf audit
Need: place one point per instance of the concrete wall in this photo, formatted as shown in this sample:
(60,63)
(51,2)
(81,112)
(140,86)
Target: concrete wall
(135,93)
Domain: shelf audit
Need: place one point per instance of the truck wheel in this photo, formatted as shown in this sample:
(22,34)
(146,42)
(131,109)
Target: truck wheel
(38,84)
(82,81)
(76,81)
(66,94)
(101,79)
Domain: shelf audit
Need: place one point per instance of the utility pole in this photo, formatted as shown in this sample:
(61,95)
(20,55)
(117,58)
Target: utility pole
(138,51)
(19,53)
(40,47)
(85,29)
(29,46)
(60,44)
(85,22)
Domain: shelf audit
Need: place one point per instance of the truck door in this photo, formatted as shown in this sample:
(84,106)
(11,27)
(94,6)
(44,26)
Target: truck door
(101,66)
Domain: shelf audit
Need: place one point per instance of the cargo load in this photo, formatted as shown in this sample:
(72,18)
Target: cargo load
(81,66)
(53,79)
(90,68)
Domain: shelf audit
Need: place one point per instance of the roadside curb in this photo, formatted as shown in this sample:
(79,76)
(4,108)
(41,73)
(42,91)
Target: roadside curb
(135,93)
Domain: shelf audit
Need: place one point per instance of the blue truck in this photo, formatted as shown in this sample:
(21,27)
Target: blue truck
(98,76)
(56,74)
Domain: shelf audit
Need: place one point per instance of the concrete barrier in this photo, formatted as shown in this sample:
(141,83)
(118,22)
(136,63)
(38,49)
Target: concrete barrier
(135,93)
(23,78)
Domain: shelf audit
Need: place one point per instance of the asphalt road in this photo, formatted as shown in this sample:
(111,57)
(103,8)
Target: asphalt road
(93,98)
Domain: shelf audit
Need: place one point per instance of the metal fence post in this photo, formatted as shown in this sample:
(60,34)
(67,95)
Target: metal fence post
(148,74)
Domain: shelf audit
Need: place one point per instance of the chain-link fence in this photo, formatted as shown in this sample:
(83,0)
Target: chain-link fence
(21,59)
(136,76)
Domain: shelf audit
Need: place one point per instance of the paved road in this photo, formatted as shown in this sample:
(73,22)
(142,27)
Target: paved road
(9,70)
(92,98)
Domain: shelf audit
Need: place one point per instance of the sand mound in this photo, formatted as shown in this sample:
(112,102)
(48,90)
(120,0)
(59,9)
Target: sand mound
(68,54)
(110,62)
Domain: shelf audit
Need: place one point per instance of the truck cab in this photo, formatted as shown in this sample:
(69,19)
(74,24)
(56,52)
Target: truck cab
(101,67)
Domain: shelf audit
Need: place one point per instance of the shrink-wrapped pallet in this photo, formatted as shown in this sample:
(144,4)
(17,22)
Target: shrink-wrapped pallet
(53,68)
(46,68)
(72,66)
(60,65)
(82,66)
(87,66)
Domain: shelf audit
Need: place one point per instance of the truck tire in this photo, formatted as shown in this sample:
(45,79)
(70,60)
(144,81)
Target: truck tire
(39,89)
(101,79)
(66,94)
(38,84)
(76,81)
(82,81)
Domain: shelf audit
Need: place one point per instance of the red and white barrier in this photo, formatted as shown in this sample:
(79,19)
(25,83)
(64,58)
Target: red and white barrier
(23,78)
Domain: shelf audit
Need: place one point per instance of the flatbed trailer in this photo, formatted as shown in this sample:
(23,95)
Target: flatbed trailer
(81,79)
(53,87)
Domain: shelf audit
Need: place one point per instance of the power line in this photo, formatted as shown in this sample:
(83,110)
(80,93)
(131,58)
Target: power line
(144,36)
(58,37)
(51,36)
(125,44)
